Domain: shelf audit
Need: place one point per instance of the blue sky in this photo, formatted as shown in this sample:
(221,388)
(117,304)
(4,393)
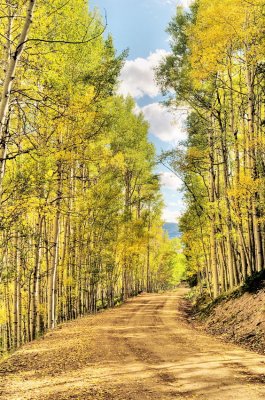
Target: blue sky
(140,26)
(137,24)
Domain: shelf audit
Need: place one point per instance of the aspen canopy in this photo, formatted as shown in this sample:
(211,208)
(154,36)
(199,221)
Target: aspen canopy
(132,200)
(80,207)
(217,70)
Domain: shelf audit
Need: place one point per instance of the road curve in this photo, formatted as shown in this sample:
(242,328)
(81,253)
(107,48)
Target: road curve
(142,350)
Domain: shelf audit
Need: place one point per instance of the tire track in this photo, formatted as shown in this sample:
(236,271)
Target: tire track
(143,349)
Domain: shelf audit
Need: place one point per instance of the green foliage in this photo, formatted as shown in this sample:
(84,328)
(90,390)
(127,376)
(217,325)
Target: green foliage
(80,211)
(215,70)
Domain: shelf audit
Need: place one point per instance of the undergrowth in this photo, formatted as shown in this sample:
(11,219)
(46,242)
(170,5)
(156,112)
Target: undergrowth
(203,304)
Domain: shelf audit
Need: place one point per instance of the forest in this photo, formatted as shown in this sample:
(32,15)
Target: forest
(80,207)
(216,69)
(132,199)
(81,225)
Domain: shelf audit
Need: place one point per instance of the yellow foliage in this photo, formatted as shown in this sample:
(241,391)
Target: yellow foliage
(3,315)
(224,28)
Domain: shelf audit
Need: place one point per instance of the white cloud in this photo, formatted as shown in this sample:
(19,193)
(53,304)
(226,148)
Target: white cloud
(137,110)
(165,125)
(184,3)
(171,215)
(170,181)
(175,204)
(138,76)
(173,210)
(138,80)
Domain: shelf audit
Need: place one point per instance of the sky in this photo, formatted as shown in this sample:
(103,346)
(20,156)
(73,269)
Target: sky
(139,25)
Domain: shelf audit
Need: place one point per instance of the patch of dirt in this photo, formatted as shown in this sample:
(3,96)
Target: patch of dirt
(238,319)
(144,349)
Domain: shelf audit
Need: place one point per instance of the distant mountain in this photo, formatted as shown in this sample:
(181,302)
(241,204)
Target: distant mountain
(172,229)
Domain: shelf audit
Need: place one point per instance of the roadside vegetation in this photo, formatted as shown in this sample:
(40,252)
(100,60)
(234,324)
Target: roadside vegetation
(216,73)
(80,206)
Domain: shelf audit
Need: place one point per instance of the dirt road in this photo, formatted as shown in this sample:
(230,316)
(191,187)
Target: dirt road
(142,350)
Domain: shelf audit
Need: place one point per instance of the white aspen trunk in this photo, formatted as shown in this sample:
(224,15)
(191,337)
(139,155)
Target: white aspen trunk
(243,255)
(55,256)
(36,278)
(253,166)
(12,66)
(213,251)
(16,310)
(3,142)
(148,278)
(53,274)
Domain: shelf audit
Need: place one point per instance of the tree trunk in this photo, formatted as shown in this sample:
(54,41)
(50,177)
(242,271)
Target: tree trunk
(8,85)
(55,253)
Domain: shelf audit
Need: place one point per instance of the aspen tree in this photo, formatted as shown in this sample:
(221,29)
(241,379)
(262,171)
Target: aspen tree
(80,199)
(10,74)
(214,69)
